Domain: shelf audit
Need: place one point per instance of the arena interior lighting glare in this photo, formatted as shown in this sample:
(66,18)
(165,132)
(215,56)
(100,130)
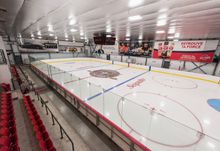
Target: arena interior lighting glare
(177,35)
(134,3)
(160,32)
(170,37)
(72,22)
(39,33)
(171,30)
(50,28)
(163,10)
(135,18)
(162,16)
(161,22)
(73,30)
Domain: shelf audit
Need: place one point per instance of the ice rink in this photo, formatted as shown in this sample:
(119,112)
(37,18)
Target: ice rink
(166,110)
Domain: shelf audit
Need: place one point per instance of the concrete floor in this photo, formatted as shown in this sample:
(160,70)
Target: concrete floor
(86,136)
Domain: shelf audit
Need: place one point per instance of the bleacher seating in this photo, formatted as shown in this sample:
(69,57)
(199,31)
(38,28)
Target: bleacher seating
(40,131)
(8,132)
(15,74)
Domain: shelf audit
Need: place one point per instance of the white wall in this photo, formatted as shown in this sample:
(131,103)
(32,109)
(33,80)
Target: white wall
(5,74)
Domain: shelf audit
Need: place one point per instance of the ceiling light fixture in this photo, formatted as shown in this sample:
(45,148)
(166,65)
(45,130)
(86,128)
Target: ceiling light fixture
(134,3)
(171,30)
(160,32)
(162,16)
(51,34)
(81,33)
(163,10)
(40,37)
(161,22)
(32,35)
(72,22)
(73,30)
(170,37)
(135,18)
(177,35)
(108,35)
(39,33)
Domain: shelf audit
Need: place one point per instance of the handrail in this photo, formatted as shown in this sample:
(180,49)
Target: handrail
(43,103)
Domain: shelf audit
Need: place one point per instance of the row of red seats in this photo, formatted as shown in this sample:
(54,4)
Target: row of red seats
(6,87)
(15,74)
(38,126)
(8,132)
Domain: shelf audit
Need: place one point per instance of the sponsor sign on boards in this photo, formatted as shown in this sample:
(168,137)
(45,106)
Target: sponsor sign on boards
(195,51)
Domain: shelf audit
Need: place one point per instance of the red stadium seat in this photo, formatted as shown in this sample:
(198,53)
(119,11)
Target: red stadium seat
(4,141)
(4,148)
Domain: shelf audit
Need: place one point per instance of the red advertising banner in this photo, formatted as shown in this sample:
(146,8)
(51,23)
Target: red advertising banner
(195,51)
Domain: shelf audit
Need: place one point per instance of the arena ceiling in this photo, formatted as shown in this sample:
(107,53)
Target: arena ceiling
(138,19)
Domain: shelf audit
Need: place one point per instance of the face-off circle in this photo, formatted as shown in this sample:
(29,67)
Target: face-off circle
(155,117)
(175,82)
(103,73)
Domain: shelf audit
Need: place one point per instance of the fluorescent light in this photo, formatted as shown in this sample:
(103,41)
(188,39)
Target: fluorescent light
(55,37)
(81,37)
(66,39)
(72,22)
(51,34)
(73,30)
(163,10)
(108,30)
(171,30)
(170,37)
(108,35)
(134,3)
(81,33)
(177,35)
(32,38)
(161,22)
(39,37)
(160,31)
(134,18)
(162,16)
(39,33)
(50,28)
(32,35)
(66,36)
(176,40)
(127,38)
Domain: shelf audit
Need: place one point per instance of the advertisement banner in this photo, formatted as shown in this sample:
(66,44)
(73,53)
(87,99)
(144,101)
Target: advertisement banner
(195,51)
(107,49)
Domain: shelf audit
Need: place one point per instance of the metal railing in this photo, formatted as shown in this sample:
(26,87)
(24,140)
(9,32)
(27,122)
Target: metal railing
(47,109)
(54,119)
